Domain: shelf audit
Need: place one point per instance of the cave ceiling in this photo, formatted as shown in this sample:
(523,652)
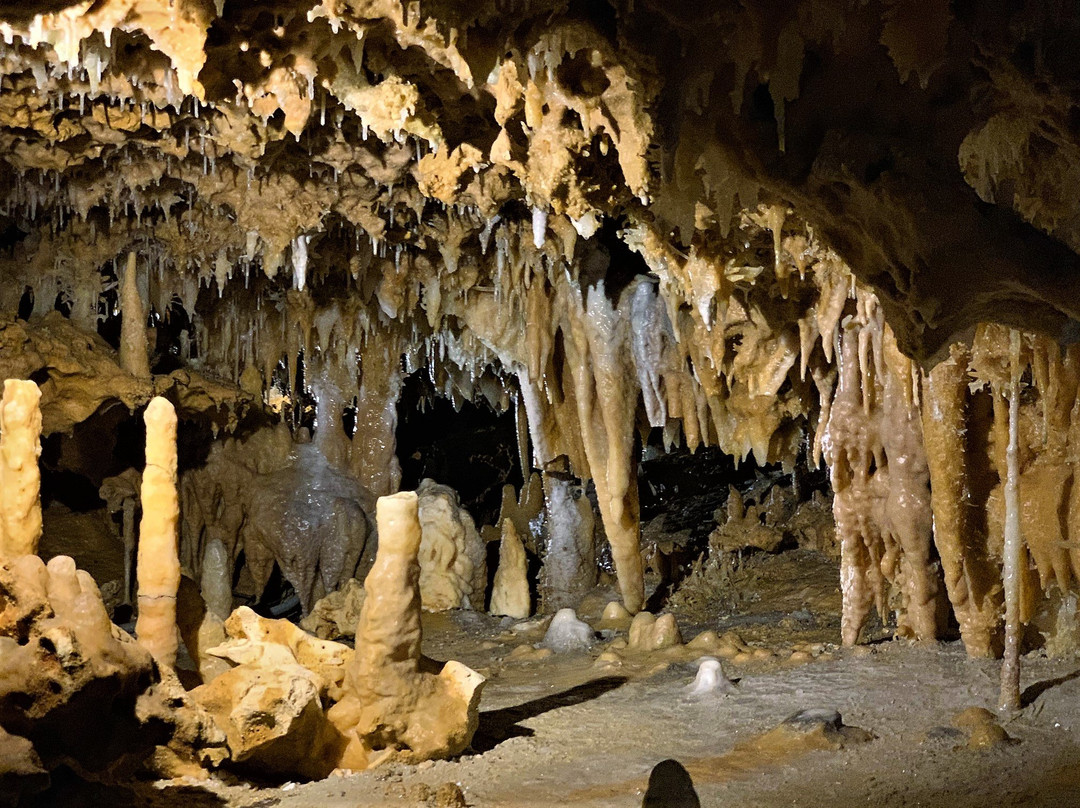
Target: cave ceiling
(932,145)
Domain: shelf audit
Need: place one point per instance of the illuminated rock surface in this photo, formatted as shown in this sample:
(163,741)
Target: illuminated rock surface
(797,236)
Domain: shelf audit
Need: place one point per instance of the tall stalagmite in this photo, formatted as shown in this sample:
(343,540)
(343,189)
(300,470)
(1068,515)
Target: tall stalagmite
(20,477)
(158,569)
(1012,552)
(390,706)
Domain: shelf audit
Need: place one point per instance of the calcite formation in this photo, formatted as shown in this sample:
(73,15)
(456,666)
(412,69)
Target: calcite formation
(783,230)
(279,502)
(605,222)
(20,478)
(158,568)
(453,564)
(77,689)
(271,705)
(510,588)
(390,707)
(338,614)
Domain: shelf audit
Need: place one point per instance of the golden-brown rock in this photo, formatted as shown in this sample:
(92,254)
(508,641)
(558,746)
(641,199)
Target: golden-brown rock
(390,706)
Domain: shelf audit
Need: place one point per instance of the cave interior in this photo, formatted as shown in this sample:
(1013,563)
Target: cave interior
(539,402)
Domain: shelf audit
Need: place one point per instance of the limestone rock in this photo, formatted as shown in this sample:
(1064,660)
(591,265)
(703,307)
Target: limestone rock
(337,614)
(272,717)
(271,706)
(264,643)
(71,683)
(21,772)
(453,563)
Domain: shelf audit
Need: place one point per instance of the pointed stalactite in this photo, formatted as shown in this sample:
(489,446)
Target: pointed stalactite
(20,476)
(158,568)
(134,351)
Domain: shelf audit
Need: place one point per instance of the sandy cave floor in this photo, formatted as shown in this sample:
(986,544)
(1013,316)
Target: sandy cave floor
(565,730)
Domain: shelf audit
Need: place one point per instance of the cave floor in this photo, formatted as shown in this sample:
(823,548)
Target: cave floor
(565,730)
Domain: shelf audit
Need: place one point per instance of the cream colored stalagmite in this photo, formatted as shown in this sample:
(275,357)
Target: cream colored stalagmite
(134,351)
(390,707)
(20,477)
(510,590)
(1010,665)
(158,567)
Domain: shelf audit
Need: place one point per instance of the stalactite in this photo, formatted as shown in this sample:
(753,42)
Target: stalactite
(605,410)
(971,579)
(134,351)
(850,451)
(907,516)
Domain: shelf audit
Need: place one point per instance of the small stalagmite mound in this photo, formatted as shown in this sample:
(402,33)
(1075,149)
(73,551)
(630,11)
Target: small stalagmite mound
(567,633)
(710,679)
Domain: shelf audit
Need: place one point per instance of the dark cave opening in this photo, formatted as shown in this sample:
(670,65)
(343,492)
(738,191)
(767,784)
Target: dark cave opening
(473,450)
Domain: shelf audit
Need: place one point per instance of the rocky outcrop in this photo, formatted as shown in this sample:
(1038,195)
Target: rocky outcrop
(73,686)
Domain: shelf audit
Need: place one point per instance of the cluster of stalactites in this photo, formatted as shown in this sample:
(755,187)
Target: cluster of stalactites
(966,422)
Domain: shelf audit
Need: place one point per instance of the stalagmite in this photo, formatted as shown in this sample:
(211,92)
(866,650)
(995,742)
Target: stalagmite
(569,569)
(453,566)
(134,351)
(20,477)
(391,707)
(1011,553)
(216,578)
(510,591)
(158,569)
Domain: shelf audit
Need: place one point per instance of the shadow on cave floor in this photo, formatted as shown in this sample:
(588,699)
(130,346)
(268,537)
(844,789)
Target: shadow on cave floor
(1033,691)
(71,792)
(499,725)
